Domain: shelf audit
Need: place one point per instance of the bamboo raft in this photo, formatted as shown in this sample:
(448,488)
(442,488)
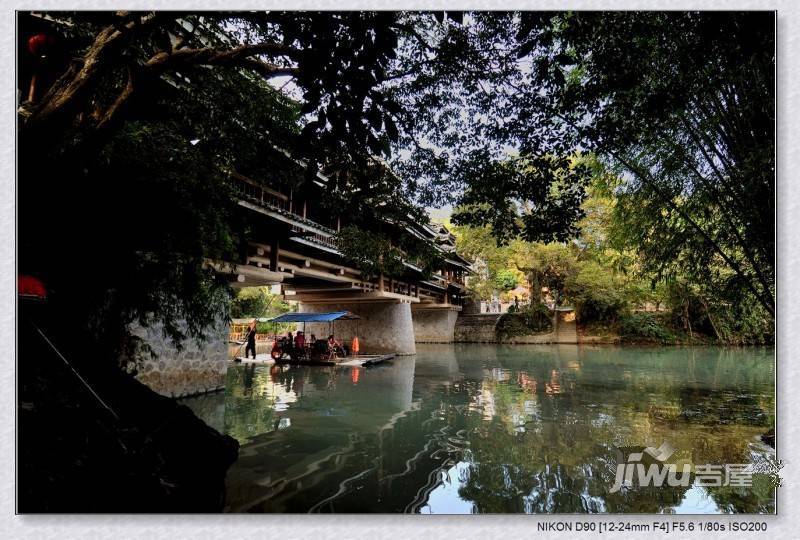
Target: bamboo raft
(365,360)
(362,360)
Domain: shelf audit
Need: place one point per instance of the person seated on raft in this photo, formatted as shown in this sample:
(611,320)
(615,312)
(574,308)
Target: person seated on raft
(320,347)
(333,344)
(312,340)
(300,340)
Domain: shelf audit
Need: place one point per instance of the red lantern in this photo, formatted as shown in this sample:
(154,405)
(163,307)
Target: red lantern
(31,287)
(39,44)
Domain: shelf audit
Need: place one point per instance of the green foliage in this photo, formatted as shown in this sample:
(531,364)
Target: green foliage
(541,265)
(422,253)
(123,187)
(666,118)
(604,279)
(546,265)
(697,310)
(338,62)
(742,325)
(644,326)
(659,89)
(677,106)
(506,280)
(152,210)
(538,198)
(371,252)
(249,303)
(596,294)
(530,319)
(374,253)
(257,302)
(479,245)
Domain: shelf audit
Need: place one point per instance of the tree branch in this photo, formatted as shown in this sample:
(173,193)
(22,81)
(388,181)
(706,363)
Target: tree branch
(243,56)
(79,77)
(416,35)
(212,56)
(122,98)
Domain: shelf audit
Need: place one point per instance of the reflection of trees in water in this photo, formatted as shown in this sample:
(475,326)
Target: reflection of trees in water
(253,394)
(527,429)
(714,407)
(540,436)
(561,466)
(332,441)
(564,458)
(407,456)
(760,499)
(556,461)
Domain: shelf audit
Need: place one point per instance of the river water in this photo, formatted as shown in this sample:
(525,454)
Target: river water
(488,428)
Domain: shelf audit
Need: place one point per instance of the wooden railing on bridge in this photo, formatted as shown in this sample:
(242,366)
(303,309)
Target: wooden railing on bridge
(258,193)
(326,240)
(282,204)
(315,232)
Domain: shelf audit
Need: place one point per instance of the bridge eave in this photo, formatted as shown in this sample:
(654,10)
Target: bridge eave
(428,306)
(358,297)
(243,275)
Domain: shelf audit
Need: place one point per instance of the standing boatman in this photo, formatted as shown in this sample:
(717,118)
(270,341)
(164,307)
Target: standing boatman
(251,340)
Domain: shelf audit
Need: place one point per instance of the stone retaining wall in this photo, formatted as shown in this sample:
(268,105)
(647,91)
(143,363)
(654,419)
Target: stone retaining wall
(476,328)
(533,339)
(434,325)
(480,328)
(196,369)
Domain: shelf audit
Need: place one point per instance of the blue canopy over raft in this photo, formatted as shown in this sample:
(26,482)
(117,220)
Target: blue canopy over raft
(299,317)
(331,317)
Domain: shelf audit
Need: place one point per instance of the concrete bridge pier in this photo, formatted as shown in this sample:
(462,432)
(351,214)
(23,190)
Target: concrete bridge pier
(434,323)
(384,327)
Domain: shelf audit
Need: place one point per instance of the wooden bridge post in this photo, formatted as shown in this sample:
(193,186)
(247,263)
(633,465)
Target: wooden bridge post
(273,254)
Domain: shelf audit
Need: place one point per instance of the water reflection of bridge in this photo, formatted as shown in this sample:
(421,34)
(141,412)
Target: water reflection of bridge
(334,411)
(333,432)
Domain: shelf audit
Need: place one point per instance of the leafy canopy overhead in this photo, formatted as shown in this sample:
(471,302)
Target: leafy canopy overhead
(679,105)
(125,148)
(495,113)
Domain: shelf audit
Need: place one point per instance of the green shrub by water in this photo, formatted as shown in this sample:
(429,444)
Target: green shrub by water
(532,319)
(596,294)
(644,326)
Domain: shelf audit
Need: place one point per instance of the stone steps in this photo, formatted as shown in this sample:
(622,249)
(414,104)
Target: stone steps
(567,332)
(483,318)
(476,328)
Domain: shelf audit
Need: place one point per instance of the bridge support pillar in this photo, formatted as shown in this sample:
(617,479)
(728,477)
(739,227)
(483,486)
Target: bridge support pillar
(384,327)
(434,324)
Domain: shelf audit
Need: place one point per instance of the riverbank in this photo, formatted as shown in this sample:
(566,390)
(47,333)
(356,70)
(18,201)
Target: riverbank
(494,328)
(107,442)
